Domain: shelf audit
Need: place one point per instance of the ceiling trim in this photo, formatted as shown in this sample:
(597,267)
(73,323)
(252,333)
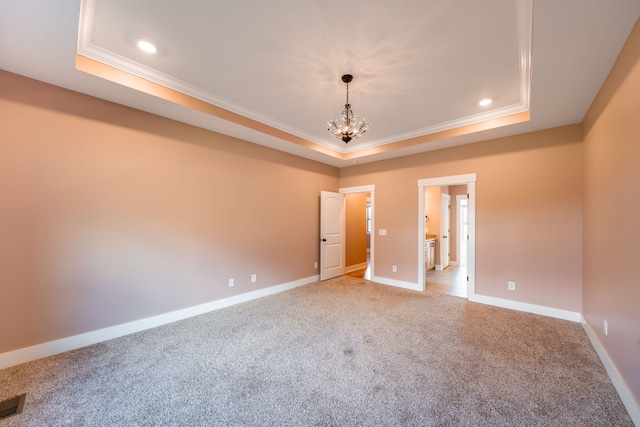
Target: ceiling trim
(98,61)
(116,75)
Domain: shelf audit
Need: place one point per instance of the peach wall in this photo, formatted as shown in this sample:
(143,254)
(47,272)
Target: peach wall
(611,233)
(432,203)
(110,214)
(356,233)
(528,213)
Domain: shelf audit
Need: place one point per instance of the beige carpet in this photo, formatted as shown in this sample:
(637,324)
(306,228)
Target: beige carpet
(344,352)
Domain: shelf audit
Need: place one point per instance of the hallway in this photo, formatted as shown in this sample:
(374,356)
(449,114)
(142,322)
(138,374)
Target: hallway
(450,281)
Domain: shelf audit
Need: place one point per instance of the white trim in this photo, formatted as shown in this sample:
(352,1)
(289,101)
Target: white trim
(358,189)
(50,348)
(447,180)
(355,267)
(396,283)
(470,181)
(633,407)
(572,316)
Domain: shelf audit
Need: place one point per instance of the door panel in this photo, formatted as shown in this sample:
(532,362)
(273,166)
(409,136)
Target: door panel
(332,235)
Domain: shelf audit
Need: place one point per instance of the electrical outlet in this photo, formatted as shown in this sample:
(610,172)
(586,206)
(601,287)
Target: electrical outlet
(394,269)
(606,327)
(254,278)
(231,283)
(511,285)
(315,264)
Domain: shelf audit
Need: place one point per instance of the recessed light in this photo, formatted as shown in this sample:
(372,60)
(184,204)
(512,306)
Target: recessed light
(485,102)
(147,46)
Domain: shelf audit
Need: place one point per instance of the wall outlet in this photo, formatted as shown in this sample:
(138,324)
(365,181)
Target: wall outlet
(606,327)
(394,268)
(231,283)
(315,265)
(511,285)
(254,278)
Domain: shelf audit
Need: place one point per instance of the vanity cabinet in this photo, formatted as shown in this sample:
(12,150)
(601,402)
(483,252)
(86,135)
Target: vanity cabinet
(429,254)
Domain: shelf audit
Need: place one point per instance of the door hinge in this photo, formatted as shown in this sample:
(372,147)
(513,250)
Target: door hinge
(467,278)
(467,195)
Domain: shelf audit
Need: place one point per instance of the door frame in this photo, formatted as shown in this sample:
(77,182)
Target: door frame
(470,181)
(371,189)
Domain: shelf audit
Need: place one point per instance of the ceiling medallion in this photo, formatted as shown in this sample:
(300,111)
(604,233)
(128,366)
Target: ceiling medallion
(348,126)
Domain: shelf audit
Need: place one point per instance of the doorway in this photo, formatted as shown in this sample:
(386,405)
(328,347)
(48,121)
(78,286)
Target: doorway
(333,216)
(461,278)
(358,213)
(365,194)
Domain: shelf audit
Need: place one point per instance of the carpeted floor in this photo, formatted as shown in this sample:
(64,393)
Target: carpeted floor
(344,352)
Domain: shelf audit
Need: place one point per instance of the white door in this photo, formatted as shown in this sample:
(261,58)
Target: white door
(463,228)
(332,235)
(445,231)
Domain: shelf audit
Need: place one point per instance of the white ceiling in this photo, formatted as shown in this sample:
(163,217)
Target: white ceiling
(420,67)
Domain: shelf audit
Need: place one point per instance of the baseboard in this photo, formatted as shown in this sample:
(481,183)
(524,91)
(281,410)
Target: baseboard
(396,283)
(355,267)
(51,348)
(633,408)
(527,308)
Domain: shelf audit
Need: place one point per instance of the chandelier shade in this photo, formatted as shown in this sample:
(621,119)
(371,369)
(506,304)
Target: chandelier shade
(348,126)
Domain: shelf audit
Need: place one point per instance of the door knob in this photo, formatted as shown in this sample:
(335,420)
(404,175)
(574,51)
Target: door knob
(324,240)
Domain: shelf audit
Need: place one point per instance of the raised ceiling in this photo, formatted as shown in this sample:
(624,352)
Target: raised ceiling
(269,72)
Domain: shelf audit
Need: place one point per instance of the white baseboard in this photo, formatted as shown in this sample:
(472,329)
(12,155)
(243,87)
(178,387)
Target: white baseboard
(396,283)
(50,348)
(526,307)
(632,406)
(355,267)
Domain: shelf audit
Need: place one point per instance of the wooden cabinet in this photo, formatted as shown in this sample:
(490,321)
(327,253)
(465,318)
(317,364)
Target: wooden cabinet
(429,254)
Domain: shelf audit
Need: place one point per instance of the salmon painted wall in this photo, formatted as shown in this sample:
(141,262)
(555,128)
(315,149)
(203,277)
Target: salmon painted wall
(432,205)
(528,213)
(356,232)
(611,233)
(110,214)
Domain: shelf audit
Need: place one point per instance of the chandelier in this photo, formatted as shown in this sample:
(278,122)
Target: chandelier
(348,126)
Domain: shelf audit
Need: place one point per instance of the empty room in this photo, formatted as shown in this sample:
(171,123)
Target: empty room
(319,213)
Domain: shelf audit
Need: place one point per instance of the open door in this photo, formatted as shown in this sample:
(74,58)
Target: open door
(332,235)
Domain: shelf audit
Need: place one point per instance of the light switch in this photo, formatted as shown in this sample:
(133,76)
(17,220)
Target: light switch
(382,231)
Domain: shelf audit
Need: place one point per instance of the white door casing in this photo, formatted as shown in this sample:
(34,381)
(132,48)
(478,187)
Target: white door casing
(332,235)
(470,181)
